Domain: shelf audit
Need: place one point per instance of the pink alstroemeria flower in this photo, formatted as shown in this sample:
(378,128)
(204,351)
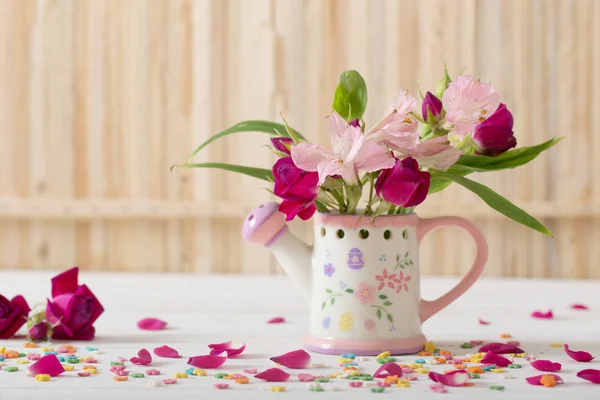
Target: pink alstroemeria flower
(398,127)
(350,153)
(467,102)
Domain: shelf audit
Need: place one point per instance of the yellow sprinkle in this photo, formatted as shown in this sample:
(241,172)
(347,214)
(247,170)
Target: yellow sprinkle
(345,360)
(200,372)
(22,361)
(2,349)
(89,367)
(403,385)
(520,355)
(384,354)
(92,371)
(45,349)
(42,377)
(82,359)
(336,374)
(403,382)
(556,345)
(68,367)
(497,370)
(352,372)
(422,370)
(180,375)
(476,360)
(429,346)
(414,365)
(277,389)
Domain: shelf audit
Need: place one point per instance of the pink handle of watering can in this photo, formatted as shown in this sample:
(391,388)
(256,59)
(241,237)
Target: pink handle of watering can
(429,308)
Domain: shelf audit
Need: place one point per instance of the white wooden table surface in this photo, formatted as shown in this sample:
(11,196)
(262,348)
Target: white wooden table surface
(212,309)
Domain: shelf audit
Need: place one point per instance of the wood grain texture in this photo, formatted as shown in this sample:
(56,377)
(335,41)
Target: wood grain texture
(99,98)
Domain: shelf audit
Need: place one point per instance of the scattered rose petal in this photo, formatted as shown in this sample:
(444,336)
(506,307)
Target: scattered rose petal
(276,320)
(579,306)
(151,324)
(592,375)
(544,315)
(513,343)
(493,358)
(306,377)
(208,361)
(273,375)
(297,359)
(500,348)
(453,378)
(388,369)
(47,365)
(84,373)
(536,380)
(143,358)
(232,348)
(166,352)
(546,365)
(250,371)
(476,342)
(483,322)
(438,388)
(581,356)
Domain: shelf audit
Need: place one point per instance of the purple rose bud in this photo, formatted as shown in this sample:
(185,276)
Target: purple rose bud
(494,135)
(354,123)
(433,104)
(38,332)
(282,144)
(403,184)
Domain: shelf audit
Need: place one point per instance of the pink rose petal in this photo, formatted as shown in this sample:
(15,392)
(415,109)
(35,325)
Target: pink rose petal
(276,320)
(47,365)
(143,358)
(543,315)
(535,380)
(500,348)
(232,348)
(388,369)
(579,306)
(482,322)
(438,388)
(166,352)
(581,356)
(273,375)
(454,378)
(306,377)
(208,361)
(493,358)
(297,359)
(151,324)
(546,365)
(592,375)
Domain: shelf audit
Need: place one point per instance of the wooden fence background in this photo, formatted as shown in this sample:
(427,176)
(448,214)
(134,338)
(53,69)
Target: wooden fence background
(99,97)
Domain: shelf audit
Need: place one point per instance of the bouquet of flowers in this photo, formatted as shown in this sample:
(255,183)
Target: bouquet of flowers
(394,165)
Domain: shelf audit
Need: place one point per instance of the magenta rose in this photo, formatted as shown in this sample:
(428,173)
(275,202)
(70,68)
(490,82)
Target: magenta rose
(13,314)
(297,188)
(403,184)
(495,135)
(73,308)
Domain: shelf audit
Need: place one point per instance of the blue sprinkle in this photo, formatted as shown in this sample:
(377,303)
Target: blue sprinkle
(189,371)
(351,365)
(61,359)
(349,355)
(1,358)
(436,354)
(419,361)
(50,352)
(488,367)
(91,348)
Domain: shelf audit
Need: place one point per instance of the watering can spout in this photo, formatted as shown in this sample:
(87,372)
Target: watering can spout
(267,226)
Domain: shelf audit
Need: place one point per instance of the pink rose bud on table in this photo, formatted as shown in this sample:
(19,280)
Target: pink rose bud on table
(495,135)
(434,105)
(73,307)
(38,332)
(403,184)
(13,314)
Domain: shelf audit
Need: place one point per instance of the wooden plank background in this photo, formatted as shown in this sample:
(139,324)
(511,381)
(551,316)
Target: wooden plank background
(99,97)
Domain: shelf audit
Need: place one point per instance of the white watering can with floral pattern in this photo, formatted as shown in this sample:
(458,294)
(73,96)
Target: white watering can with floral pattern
(361,278)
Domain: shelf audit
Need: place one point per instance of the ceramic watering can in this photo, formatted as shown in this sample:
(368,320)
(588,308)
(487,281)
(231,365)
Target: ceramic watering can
(361,277)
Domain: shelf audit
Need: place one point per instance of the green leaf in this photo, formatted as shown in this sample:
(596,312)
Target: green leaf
(329,291)
(349,291)
(397,257)
(410,262)
(438,184)
(406,254)
(248,126)
(379,314)
(499,203)
(332,301)
(350,99)
(510,159)
(323,305)
(389,317)
(383,296)
(387,303)
(321,207)
(260,173)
